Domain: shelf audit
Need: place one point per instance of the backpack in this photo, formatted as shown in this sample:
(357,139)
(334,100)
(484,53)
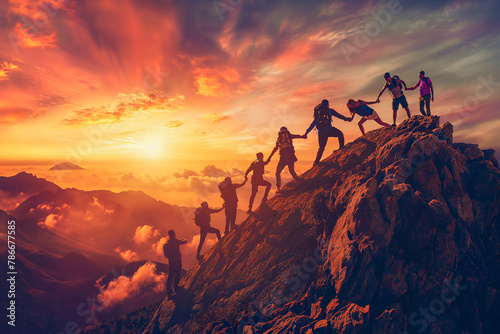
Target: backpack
(322,116)
(198,217)
(426,80)
(167,250)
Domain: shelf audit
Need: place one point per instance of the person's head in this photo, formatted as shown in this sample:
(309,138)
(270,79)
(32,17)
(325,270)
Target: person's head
(325,103)
(421,74)
(204,205)
(171,234)
(387,76)
(351,103)
(228,180)
(283,128)
(260,156)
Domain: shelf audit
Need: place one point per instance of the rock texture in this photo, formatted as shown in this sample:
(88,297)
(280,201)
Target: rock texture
(396,232)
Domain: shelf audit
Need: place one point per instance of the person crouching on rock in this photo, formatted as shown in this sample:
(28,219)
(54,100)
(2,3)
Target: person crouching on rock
(361,108)
(228,193)
(287,154)
(202,219)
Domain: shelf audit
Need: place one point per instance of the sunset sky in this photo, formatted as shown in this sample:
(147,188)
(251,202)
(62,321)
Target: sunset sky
(168,96)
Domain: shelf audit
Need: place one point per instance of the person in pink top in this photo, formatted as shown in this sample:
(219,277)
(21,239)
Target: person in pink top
(426,93)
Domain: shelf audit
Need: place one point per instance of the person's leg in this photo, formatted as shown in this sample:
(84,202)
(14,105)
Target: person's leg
(379,121)
(322,140)
(203,235)
(268,188)
(170,276)
(227,211)
(255,188)
(428,104)
(422,101)
(232,217)
(279,169)
(395,107)
(334,132)
(404,104)
(360,124)
(177,273)
(291,169)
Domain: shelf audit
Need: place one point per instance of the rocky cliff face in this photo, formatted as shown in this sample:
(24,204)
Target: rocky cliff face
(396,232)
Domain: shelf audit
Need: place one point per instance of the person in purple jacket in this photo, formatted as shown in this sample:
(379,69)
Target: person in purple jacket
(426,92)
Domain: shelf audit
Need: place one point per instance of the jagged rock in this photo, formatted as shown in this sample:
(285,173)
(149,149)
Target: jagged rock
(351,319)
(392,320)
(397,231)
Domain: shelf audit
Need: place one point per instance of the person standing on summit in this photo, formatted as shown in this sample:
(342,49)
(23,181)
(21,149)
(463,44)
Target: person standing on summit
(287,154)
(323,122)
(395,86)
(258,179)
(228,193)
(426,89)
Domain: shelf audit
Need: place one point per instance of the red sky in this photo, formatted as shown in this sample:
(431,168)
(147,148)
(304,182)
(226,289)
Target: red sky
(170,96)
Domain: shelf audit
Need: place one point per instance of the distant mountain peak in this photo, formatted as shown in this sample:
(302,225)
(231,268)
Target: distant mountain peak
(66,166)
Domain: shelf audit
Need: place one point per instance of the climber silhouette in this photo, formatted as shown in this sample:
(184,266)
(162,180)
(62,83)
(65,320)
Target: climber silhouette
(287,154)
(395,86)
(426,88)
(258,179)
(202,219)
(172,251)
(323,122)
(228,194)
(360,107)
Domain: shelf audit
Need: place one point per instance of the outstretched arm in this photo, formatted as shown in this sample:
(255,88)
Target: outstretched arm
(414,87)
(298,136)
(248,171)
(379,94)
(404,83)
(376,101)
(309,129)
(352,113)
(272,153)
(333,112)
(182,241)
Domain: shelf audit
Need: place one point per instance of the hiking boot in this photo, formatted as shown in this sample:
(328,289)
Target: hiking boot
(394,125)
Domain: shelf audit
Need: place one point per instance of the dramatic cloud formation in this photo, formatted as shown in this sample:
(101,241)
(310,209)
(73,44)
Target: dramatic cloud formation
(50,221)
(145,280)
(132,105)
(174,124)
(144,233)
(5,69)
(128,255)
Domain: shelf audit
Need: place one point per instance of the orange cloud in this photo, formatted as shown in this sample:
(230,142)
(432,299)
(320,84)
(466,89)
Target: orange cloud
(216,118)
(145,232)
(145,280)
(128,255)
(214,82)
(158,246)
(126,109)
(5,69)
(33,40)
(50,221)
(174,124)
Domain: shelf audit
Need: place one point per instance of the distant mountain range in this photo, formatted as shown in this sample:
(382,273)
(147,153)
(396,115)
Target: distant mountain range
(74,244)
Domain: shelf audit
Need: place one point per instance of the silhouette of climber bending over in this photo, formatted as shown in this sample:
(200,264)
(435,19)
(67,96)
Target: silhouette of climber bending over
(360,107)
(287,154)
(202,219)
(258,179)
(172,251)
(395,86)
(228,194)
(323,122)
